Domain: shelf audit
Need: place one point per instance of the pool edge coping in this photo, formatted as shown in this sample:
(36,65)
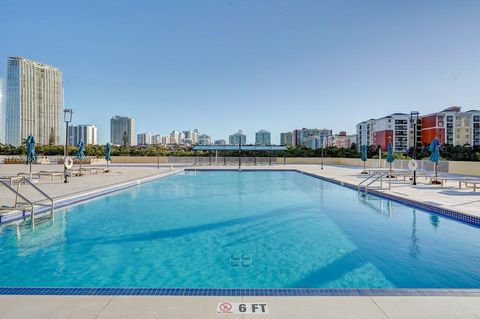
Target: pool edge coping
(226,292)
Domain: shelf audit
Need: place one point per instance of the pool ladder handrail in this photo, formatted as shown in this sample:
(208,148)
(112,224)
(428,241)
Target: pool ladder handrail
(380,176)
(28,202)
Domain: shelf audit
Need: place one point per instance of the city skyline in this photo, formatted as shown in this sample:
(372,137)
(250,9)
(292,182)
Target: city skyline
(250,65)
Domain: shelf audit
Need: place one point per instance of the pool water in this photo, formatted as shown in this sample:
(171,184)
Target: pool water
(266,229)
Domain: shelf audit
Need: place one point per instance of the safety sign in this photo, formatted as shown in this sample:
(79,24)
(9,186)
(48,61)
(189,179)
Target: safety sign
(242,308)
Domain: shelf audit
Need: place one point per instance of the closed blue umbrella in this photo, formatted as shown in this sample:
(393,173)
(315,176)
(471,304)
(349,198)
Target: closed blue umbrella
(364,157)
(390,158)
(435,153)
(107,154)
(31,155)
(81,155)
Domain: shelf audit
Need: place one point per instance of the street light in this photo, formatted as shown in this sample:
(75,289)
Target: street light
(67,117)
(412,114)
(321,141)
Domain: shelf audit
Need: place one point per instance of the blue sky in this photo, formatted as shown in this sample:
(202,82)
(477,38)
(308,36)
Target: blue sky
(220,66)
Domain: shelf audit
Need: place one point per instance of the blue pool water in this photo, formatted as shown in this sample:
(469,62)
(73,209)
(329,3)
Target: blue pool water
(244,230)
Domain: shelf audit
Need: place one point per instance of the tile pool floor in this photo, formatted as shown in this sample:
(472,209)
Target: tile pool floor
(280,307)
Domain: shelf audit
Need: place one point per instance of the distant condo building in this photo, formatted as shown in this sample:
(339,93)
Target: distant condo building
(122,130)
(204,139)
(190,137)
(157,139)
(237,138)
(85,133)
(263,138)
(395,128)
(144,138)
(341,140)
(452,126)
(176,137)
(166,140)
(34,102)
(312,138)
(286,139)
(220,142)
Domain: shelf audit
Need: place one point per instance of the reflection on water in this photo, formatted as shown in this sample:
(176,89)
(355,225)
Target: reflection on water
(414,246)
(229,229)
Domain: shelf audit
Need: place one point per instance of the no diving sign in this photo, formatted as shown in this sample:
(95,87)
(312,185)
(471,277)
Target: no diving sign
(242,308)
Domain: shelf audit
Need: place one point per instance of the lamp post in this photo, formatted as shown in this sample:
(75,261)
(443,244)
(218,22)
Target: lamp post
(240,154)
(67,117)
(321,141)
(412,115)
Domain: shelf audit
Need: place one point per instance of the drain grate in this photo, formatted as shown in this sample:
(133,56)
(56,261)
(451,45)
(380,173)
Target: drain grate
(241,260)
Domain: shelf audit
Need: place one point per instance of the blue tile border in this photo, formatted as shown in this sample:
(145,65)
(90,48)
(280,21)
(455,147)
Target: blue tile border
(290,292)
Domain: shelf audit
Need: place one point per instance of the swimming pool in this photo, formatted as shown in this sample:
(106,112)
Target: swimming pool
(266,229)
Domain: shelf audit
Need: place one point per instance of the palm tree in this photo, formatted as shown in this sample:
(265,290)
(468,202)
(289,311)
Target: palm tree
(125,138)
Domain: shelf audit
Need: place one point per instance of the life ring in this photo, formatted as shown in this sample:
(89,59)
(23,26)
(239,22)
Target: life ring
(412,165)
(68,163)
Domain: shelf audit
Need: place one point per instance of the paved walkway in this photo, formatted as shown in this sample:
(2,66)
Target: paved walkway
(118,307)
(205,307)
(57,189)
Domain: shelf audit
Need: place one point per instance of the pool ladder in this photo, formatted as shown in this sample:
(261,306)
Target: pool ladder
(375,176)
(28,204)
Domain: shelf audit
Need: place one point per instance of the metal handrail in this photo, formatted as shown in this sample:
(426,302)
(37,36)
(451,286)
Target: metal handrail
(29,202)
(52,204)
(366,179)
(32,215)
(380,176)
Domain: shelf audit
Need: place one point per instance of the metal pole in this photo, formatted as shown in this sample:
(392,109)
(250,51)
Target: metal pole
(414,143)
(240,154)
(65,173)
(322,151)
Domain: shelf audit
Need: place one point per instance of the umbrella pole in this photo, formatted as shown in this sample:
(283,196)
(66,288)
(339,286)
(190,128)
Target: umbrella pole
(80,171)
(30,170)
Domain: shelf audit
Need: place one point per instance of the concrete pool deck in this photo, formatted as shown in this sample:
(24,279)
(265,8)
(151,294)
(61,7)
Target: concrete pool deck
(118,307)
(16,306)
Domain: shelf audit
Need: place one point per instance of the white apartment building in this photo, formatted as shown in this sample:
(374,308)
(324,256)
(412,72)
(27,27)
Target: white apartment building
(86,133)
(204,139)
(144,138)
(341,140)
(452,126)
(395,128)
(166,140)
(34,102)
(157,139)
(286,139)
